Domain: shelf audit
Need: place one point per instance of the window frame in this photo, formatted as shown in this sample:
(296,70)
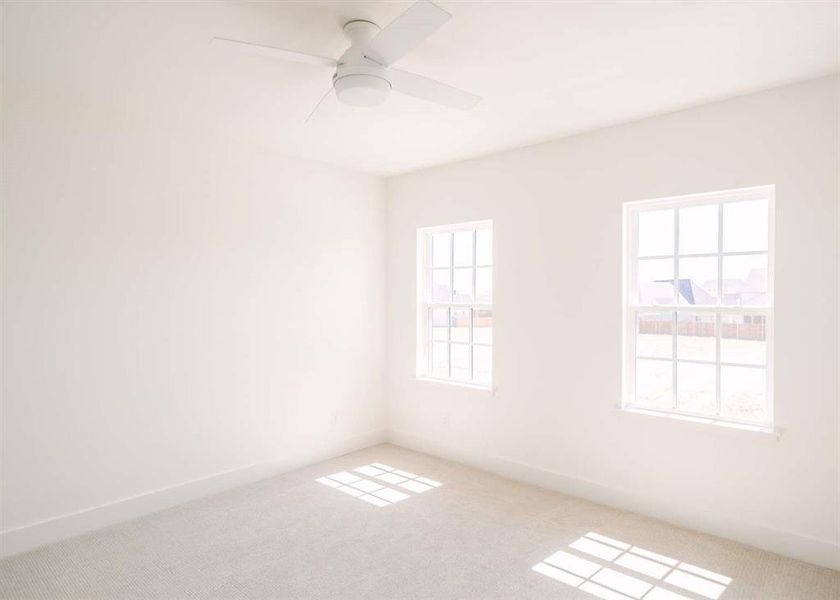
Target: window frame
(631,307)
(425,303)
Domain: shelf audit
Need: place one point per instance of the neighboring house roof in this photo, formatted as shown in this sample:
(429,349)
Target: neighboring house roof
(694,293)
(747,292)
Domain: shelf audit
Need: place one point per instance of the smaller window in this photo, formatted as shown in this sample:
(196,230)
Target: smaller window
(455,303)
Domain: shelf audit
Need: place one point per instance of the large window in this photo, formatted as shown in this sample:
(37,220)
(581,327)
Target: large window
(698,305)
(455,303)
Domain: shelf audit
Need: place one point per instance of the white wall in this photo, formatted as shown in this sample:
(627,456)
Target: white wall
(554,419)
(176,305)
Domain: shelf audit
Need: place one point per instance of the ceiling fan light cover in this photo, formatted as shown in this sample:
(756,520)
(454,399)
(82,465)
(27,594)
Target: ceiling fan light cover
(362,90)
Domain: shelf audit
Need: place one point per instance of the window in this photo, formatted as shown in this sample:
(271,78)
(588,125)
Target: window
(698,305)
(455,303)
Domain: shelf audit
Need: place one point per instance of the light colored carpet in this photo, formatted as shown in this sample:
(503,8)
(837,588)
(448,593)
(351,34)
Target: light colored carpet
(475,536)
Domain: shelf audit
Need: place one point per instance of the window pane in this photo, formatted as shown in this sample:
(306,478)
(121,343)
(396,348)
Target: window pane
(460,325)
(698,280)
(654,383)
(460,361)
(463,248)
(440,324)
(745,226)
(656,233)
(483,326)
(742,393)
(483,364)
(441,292)
(699,229)
(745,280)
(484,247)
(743,339)
(463,291)
(440,359)
(696,336)
(655,280)
(654,335)
(441,253)
(484,285)
(696,388)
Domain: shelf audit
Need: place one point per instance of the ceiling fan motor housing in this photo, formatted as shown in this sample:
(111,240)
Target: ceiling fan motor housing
(359,81)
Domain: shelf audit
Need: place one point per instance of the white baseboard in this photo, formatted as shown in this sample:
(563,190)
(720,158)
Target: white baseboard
(27,537)
(812,550)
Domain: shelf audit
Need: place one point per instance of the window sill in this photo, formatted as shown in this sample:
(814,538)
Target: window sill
(461,384)
(703,421)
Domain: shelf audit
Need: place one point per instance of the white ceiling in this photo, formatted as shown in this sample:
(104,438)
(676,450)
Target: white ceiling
(545,69)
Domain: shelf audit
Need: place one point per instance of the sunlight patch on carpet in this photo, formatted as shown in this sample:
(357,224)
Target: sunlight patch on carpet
(640,574)
(371,488)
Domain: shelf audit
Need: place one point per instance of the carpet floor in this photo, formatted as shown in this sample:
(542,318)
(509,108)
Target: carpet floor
(407,525)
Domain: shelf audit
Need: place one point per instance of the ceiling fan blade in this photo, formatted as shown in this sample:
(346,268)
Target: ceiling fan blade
(406,32)
(317,106)
(278,53)
(431,90)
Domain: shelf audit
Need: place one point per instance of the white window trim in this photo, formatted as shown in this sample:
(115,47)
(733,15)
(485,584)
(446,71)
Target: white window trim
(631,307)
(423,336)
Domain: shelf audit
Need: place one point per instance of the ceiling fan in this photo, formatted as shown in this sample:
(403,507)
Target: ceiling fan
(363,74)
